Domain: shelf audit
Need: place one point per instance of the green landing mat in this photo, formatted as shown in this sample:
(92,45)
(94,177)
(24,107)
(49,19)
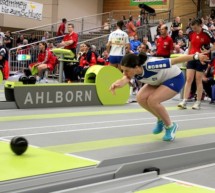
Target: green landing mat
(36,161)
(177,188)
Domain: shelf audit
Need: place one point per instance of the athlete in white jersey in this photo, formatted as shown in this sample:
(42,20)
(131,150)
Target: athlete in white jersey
(162,82)
(117,42)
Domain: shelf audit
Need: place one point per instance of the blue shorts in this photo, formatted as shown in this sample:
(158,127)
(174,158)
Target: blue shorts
(115,59)
(176,83)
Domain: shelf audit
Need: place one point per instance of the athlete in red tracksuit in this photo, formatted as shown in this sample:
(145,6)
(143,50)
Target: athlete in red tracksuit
(87,59)
(198,38)
(45,60)
(4,67)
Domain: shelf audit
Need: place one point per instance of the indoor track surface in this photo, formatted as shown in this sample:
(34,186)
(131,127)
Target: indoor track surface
(76,141)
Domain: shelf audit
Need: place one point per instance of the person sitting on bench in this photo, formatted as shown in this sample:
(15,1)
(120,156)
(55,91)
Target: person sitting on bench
(45,60)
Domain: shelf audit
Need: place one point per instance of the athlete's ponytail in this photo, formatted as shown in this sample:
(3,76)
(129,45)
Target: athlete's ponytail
(142,58)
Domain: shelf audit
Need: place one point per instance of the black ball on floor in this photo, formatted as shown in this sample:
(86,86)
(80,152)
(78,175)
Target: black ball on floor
(32,80)
(23,79)
(18,145)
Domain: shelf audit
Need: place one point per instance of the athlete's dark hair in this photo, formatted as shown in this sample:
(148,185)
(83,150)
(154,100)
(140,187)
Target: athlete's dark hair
(44,44)
(196,21)
(64,20)
(120,24)
(132,60)
(71,24)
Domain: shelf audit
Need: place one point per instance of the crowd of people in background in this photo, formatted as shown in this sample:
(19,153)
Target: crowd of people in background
(166,41)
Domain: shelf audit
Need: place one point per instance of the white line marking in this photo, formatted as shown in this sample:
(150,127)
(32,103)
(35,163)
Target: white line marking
(98,122)
(107,127)
(187,183)
(89,159)
(67,154)
(8,141)
(189,169)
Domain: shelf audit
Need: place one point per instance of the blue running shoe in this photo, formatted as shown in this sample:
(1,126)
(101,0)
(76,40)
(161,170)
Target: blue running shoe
(170,133)
(158,127)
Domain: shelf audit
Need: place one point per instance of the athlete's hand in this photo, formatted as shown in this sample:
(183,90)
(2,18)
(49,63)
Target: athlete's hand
(205,51)
(113,88)
(203,58)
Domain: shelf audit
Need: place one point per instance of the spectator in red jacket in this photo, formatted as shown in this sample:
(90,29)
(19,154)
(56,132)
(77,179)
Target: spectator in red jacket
(69,42)
(62,28)
(164,43)
(88,58)
(104,60)
(4,67)
(45,60)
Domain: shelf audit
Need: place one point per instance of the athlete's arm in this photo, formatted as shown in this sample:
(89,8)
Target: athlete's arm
(198,56)
(108,46)
(119,83)
(127,45)
(189,48)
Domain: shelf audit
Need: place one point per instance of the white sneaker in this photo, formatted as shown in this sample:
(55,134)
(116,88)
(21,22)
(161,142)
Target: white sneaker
(196,105)
(182,105)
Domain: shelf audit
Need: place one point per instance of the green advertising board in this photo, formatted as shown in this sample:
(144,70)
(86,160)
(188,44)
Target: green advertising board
(148,2)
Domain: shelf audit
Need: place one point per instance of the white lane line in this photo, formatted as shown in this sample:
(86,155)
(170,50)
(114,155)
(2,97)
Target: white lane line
(107,127)
(187,183)
(98,122)
(8,141)
(80,157)
(189,170)
(67,154)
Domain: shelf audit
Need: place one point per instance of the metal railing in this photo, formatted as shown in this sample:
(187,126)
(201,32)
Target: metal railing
(87,23)
(92,34)
(15,54)
(81,24)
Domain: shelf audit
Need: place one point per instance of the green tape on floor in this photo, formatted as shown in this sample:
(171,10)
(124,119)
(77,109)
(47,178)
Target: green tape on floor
(76,114)
(176,188)
(35,161)
(125,141)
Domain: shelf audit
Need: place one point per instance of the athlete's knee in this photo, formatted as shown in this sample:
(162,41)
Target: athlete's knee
(141,99)
(189,80)
(152,101)
(198,80)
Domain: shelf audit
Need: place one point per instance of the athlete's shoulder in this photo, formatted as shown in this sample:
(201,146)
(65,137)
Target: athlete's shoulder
(124,33)
(190,32)
(207,32)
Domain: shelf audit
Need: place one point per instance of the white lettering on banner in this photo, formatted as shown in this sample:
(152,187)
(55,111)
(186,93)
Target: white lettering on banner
(69,96)
(88,96)
(78,96)
(48,98)
(58,97)
(28,99)
(22,8)
(39,97)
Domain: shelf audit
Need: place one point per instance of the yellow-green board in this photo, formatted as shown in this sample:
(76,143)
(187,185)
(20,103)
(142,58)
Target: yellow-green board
(104,77)
(36,161)
(176,188)
(1,77)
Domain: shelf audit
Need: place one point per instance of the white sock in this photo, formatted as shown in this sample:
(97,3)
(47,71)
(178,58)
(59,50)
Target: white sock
(169,126)
(184,100)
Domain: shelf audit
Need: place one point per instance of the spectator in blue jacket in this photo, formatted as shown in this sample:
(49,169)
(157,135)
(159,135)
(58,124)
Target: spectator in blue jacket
(135,43)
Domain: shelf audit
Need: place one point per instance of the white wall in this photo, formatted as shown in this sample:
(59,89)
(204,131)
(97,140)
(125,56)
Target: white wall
(72,9)
(54,11)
